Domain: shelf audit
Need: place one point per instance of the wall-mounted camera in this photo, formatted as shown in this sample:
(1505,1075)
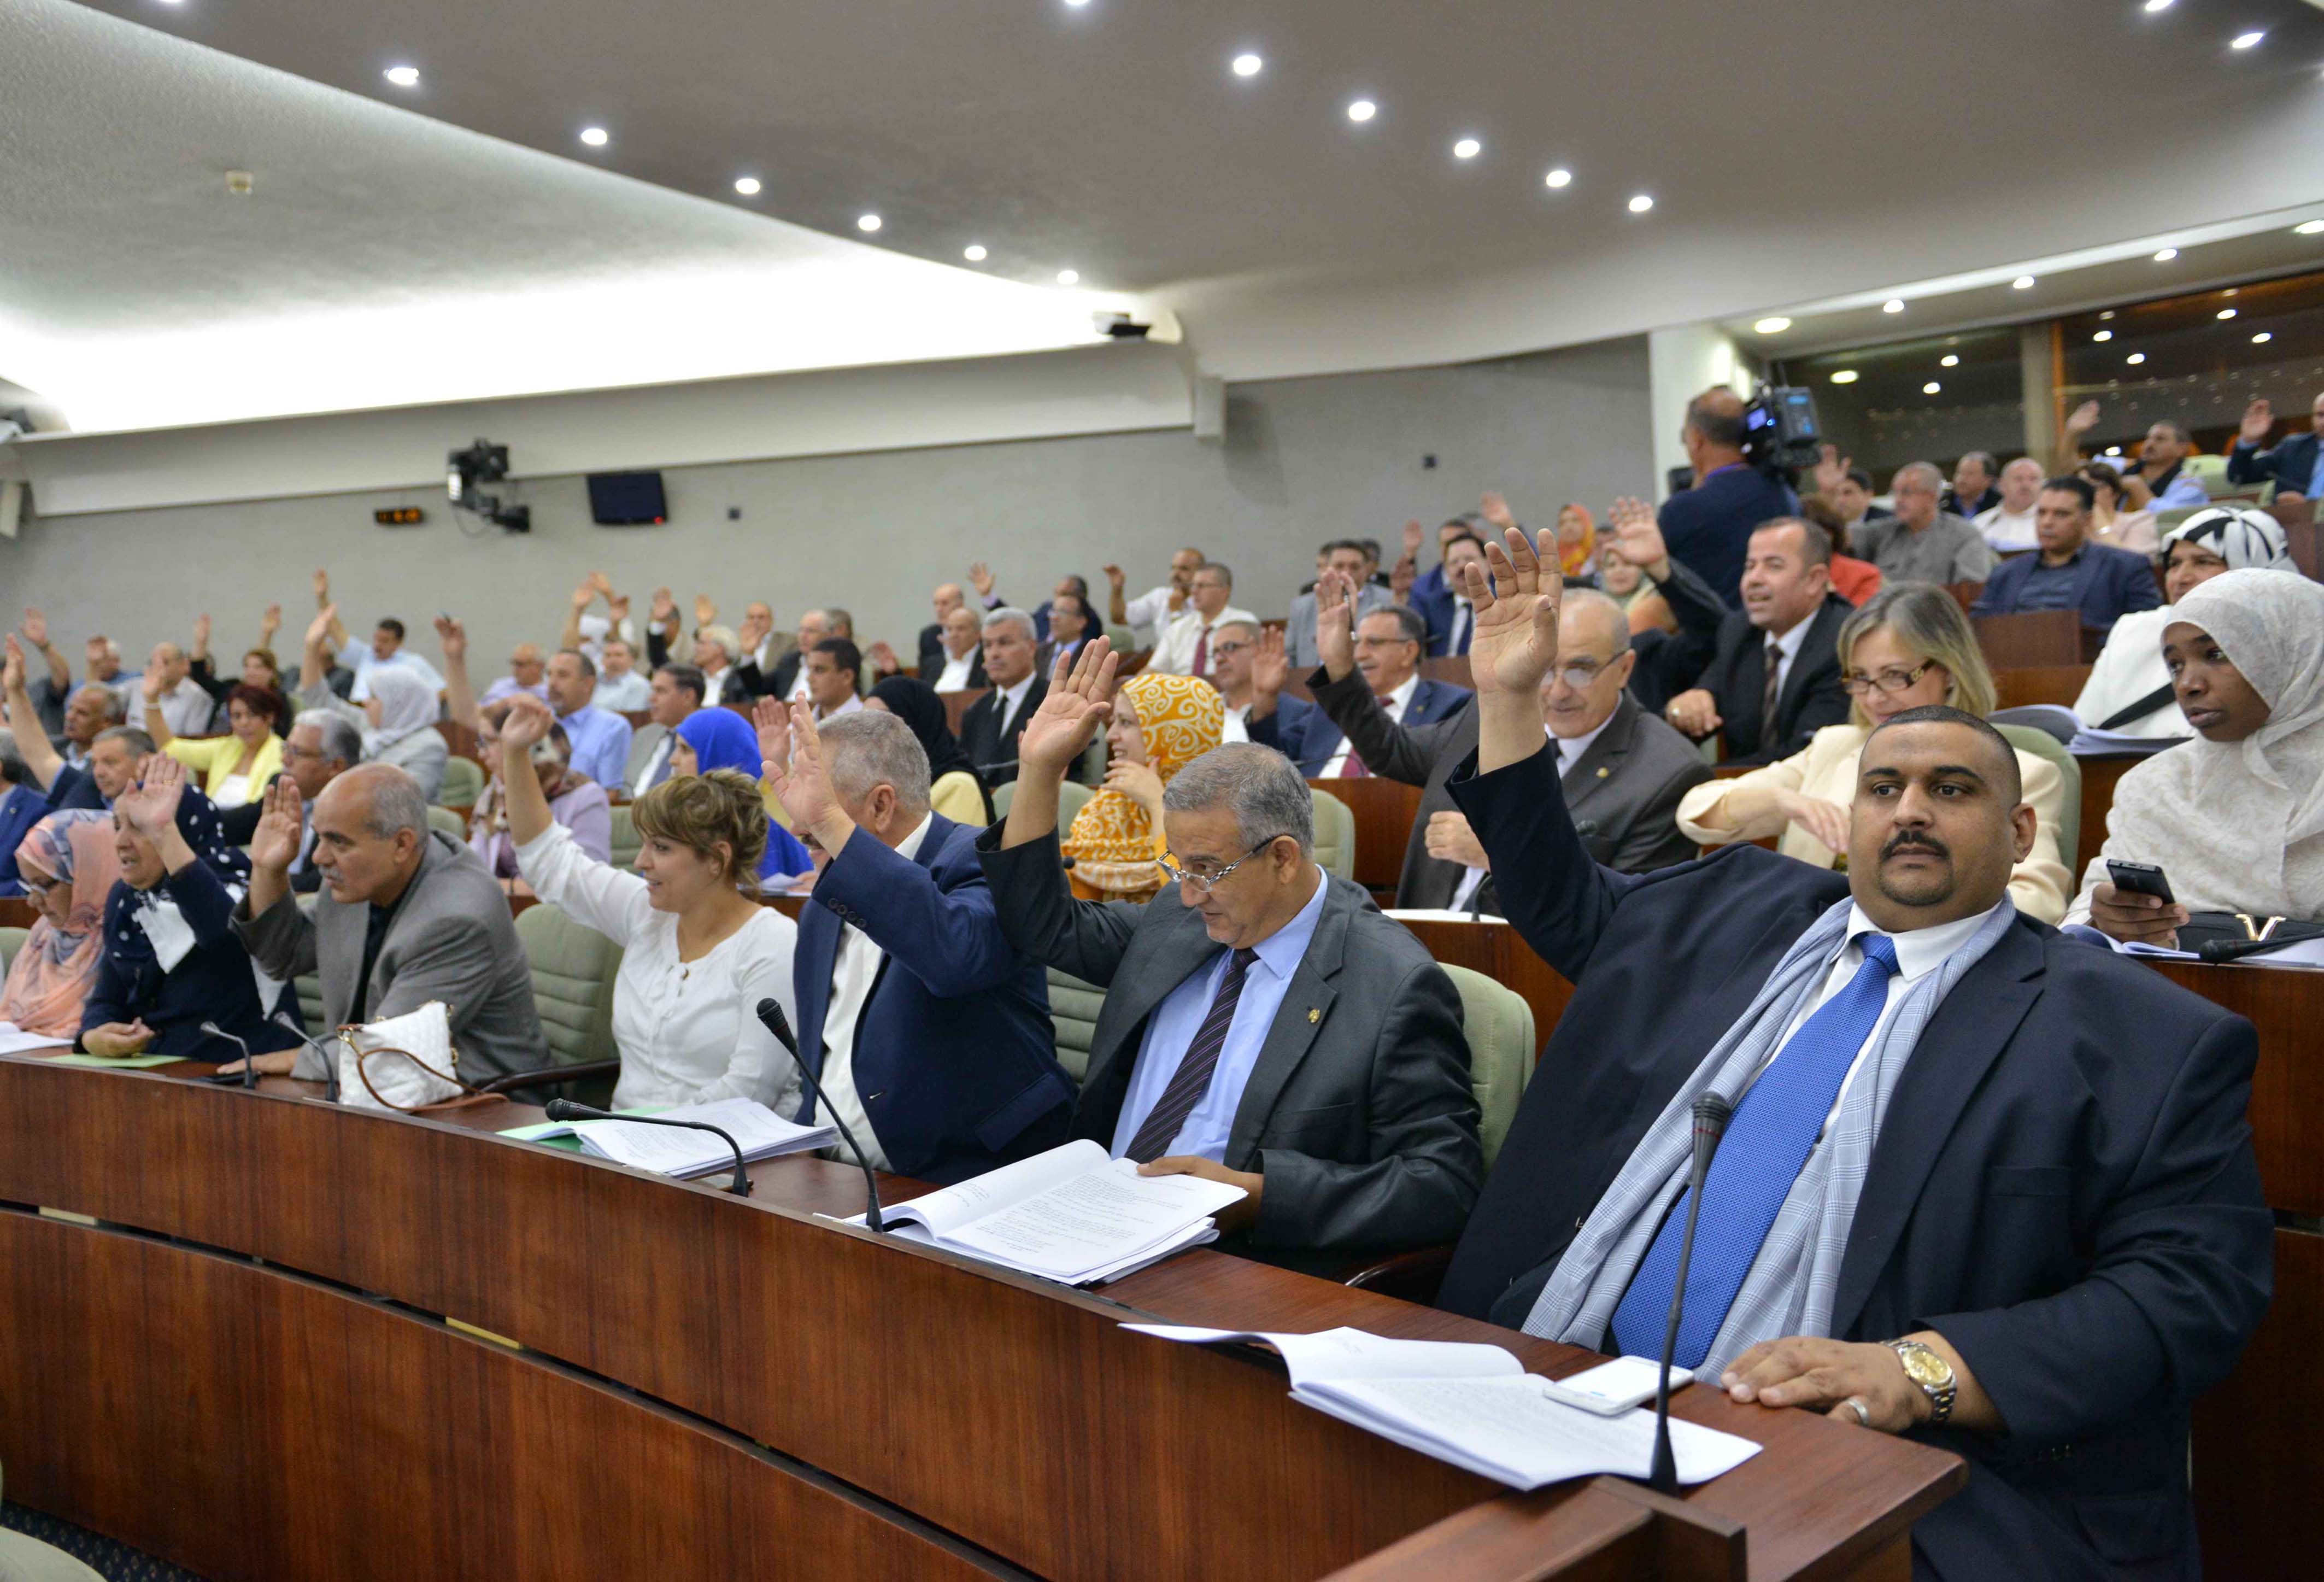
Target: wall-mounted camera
(483,462)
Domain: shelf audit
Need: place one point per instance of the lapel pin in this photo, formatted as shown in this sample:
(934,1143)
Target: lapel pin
(1313,1014)
(1603,773)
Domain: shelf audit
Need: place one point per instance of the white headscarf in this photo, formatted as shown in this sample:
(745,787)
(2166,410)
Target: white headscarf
(2222,816)
(406,704)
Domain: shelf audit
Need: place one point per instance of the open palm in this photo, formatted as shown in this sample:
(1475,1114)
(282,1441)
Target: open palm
(275,842)
(1515,640)
(152,805)
(1079,703)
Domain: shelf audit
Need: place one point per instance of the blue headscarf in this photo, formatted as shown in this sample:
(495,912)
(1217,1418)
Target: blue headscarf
(723,739)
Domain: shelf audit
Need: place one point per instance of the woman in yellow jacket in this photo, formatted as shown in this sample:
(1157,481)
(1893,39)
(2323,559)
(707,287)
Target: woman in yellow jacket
(1909,646)
(235,767)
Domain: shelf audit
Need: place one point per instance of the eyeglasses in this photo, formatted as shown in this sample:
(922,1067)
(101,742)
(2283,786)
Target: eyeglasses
(1578,677)
(1227,648)
(1855,683)
(1205,879)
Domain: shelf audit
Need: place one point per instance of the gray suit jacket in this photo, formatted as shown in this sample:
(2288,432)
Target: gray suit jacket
(1299,628)
(1359,1112)
(452,939)
(642,743)
(1623,791)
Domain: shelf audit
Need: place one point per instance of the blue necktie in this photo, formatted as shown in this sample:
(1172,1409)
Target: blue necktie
(1768,1141)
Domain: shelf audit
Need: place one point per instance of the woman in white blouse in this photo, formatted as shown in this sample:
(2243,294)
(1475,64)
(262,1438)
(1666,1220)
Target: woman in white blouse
(699,952)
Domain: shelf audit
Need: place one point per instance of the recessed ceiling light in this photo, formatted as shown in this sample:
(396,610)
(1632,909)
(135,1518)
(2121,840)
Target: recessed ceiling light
(1641,203)
(404,76)
(1950,360)
(2226,312)
(1077,4)
(1892,305)
(1362,110)
(1560,177)
(2023,282)
(974,252)
(2262,339)
(867,222)
(748,186)
(2135,358)
(2166,254)
(2150,6)
(2308,227)
(1843,376)
(1468,148)
(594,136)
(2103,334)
(2107,314)
(1069,277)
(2246,41)
(1248,65)
(1930,388)
(1772,326)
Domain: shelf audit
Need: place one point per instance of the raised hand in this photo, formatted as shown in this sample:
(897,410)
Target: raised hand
(1832,470)
(773,724)
(800,776)
(754,631)
(618,605)
(705,612)
(664,609)
(1115,576)
(319,629)
(2082,420)
(883,658)
(1137,782)
(980,576)
(1638,537)
(1494,509)
(1335,636)
(1826,821)
(12,672)
(201,634)
(275,842)
(2259,417)
(322,587)
(1413,534)
(454,636)
(269,624)
(526,727)
(584,596)
(36,627)
(1400,579)
(1270,667)
(1515,640)
(150,806)
(602,583)
(1079,703)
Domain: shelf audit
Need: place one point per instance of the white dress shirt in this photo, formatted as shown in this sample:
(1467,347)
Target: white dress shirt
(854,704)
(360,658)
(1012,699)
(1464,622)
(1150,609)
(797,693)
(853,970)
(2004,528)
(688,1031)
(1174,655)
(954,677)
(186,708)
(1236,726)
(1395,703)
(627,693)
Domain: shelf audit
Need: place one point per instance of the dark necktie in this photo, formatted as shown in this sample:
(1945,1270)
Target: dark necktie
(1768,736)
(1463,619)
(1193,1078)
(1202,654)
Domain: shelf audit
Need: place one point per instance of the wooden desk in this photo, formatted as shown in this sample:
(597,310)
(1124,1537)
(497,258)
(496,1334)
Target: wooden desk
(2038,638)
(1494,949)
(1384,810)
(707,1385)
(2058,684)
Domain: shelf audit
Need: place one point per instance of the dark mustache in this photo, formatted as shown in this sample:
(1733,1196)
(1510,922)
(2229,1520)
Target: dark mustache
(1909,841)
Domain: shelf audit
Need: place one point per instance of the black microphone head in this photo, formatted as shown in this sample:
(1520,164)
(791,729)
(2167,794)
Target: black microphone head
(1711,1112)
(560,1109)
(770,1015)
(1586,828)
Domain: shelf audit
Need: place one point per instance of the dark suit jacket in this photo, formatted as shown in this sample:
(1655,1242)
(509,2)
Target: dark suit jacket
(955,1058)
(1359,1112)
(2065,1187)
(932,652)
(1309,738)
(981,737)
(1708,527)
(2108,583)
(1627,787)
(21,808)
(241,825)
(1721,650)
(212,982)
(2291,463)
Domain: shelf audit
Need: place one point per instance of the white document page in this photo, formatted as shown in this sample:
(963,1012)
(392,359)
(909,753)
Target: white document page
(1345,1354)
(955,1205)
(1098,1218)
(15,1040)
(673,1150)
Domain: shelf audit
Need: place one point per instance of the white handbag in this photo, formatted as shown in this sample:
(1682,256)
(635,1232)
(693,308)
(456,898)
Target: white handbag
(404,1063)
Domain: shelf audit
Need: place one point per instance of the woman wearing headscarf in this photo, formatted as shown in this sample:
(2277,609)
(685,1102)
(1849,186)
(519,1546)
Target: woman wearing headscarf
(719,738)
(956,789)
(575,800)
(68,867)
(170,961)
(1160,725)
(1577,544)
(2129,688)
(2234,817)
(398,720)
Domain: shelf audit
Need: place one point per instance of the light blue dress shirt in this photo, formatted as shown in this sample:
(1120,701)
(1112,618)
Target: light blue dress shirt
(2183,491)
(1180,1016)
(358,657)
(601,744)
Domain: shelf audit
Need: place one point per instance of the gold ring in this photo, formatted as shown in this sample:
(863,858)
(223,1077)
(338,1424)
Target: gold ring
(1855,1404)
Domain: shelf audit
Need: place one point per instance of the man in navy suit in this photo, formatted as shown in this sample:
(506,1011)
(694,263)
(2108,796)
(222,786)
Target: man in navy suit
(1451,622)
(2070,572)
(929,1033)
(22,804)
(1389,645)
(2020,1217)
(2297,465)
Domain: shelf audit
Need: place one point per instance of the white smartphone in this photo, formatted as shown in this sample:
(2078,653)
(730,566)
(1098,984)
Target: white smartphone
(1614,1387)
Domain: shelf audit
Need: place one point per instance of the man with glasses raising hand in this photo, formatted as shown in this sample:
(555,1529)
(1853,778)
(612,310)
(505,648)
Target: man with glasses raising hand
(1264,1024)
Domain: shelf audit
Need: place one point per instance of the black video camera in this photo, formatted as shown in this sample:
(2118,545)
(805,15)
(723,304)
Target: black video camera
(1780,435)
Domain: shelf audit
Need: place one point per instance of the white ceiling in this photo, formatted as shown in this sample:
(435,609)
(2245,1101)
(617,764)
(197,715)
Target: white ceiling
(1799,152)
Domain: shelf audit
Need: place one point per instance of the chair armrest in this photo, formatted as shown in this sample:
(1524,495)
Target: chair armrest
(552,1076)
(1411,1276)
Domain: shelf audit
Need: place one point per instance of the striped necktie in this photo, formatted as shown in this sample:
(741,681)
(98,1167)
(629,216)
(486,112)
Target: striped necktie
(1193,1078)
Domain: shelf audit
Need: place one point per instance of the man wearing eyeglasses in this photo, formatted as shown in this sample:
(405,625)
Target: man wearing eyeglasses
(1263,1025)
(1386,651)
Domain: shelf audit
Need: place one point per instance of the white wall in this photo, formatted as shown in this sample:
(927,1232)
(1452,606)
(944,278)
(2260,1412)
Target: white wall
(1681,365)
(1304,460)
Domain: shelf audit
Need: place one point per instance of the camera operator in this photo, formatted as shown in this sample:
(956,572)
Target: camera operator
(1709,526)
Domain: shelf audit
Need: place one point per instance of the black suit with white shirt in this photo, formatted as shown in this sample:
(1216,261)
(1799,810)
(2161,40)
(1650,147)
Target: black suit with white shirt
(1719,650)
(989,730)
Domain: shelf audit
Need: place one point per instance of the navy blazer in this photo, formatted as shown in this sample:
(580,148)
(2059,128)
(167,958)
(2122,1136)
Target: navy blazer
(955,1058)
(212,983)
(2108,583)
(1308,736)
(2292,464)
(21,808)
(2063,1186)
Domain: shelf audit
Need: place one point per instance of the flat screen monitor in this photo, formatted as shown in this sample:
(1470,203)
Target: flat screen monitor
(627,499)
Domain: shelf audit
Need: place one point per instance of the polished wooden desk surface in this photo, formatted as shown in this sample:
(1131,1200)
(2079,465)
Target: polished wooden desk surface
(999,1412)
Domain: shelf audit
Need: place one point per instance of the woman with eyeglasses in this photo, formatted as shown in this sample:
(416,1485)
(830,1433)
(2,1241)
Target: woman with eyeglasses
(1160,725)
(1909,647)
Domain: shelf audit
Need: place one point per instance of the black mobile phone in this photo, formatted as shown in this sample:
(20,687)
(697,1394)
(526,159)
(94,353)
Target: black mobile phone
(2140,879)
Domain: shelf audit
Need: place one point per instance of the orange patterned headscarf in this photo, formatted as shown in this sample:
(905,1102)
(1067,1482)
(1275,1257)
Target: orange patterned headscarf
(1112,841)
(1574,555)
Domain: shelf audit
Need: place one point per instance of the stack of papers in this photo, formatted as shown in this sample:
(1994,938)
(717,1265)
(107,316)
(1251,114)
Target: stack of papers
(1475,1407)
(675,1150)
(1073,1214)
(1437,914)
(2096,744)
(15,1040)
(2307,953)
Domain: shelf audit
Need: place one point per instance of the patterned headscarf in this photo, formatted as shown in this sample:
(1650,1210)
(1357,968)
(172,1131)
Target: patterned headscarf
(1575,559)
(53,971)
(2247,540)
(1111,842)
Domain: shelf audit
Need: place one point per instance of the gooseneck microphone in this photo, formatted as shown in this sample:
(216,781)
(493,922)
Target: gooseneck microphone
(249,1071)
(1711,1114)
(770,1015)
(564,1109)
(287,1023)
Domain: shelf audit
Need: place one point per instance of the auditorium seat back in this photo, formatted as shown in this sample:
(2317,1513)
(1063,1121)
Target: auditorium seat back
(2027,738)
(573,970)
(464,782)
(1498,1026)
(625,837)
(1073,1007)
(1335,835)
(11,941)
(447,820)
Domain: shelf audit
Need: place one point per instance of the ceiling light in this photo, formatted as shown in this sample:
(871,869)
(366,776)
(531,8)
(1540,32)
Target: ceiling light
(1892,305)
(867,222)
(1772,326)
(2135,358)
(2308,227)
(748,186)
(2262,339)
(2151,6)
(1468,148)
(1559,177)
(2246,41)
(1248,65)
(2023,282)
(1362,110)
(2107,314)
(1077,4)
(1950,360)
(2231,291)
(2114,450)
(974,252)
(1843,376)
(2226,312)
(2103,334)
(2166,255)
(1069,277)
(1930,388)
(594,136)
(404,76)
(1641,203)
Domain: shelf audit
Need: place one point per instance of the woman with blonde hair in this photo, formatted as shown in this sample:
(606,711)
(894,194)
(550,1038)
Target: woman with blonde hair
(1909,646)
(1160,725)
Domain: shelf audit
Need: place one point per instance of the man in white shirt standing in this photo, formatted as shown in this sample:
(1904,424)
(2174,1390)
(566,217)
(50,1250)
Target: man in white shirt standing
(1185,646)
(1151,610)
(2010,524)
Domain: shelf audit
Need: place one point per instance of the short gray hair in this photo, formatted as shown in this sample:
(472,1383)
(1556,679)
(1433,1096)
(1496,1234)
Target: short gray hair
(1258,785)
(138,741)
(396,804)
(1928,471)
(1009,616)
(872,748)
(116,707)
(336,735)
(13,770)
(1590,598)
(724,636)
